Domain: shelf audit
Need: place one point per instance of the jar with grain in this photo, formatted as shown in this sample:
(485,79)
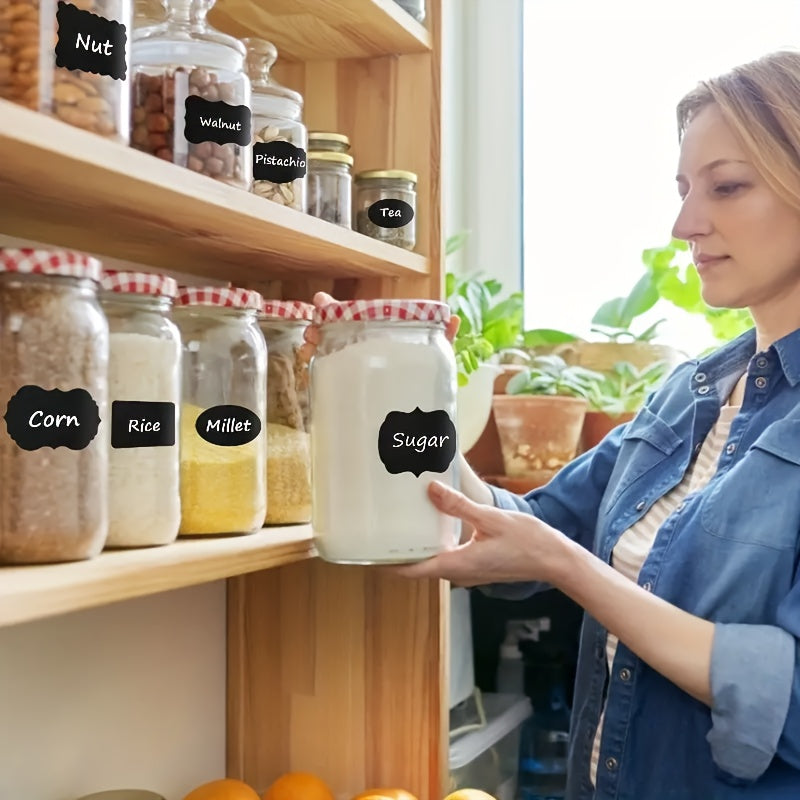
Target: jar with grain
(288,448)
(386,206)
(144,390)
(222,436)
(323,141)
(330,187)
(70,60)
(54,443)
(280,138)
(191,96)
(383,410)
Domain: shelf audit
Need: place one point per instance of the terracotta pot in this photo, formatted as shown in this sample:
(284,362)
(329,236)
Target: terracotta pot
(601,356)
(537,432)
(485,457)
(521,485)
(597,425)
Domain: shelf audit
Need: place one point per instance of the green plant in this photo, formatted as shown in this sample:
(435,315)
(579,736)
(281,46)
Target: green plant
(615,316)
(625,388)
(550,375)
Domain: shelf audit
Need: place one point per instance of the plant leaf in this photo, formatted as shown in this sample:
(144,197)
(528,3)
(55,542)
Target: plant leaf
(539,337)
(455,242)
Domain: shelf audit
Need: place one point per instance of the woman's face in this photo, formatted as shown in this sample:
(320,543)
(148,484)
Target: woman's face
(745,239)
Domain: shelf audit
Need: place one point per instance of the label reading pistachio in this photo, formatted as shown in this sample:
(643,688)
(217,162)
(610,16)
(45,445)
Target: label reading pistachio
(278,162)
(417,442)
(216,121)
(90,43)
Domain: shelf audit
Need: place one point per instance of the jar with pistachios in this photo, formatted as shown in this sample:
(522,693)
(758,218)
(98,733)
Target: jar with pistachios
(280,138)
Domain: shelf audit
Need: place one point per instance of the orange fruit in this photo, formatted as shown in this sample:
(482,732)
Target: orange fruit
(389,794)
(224,789)
(469,794)
(298,786)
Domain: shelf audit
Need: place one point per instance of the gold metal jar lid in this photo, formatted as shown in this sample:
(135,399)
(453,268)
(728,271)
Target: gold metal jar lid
(387,173)
(328,137)
(327,155)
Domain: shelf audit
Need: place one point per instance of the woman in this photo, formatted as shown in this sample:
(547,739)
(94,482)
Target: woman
(678,534)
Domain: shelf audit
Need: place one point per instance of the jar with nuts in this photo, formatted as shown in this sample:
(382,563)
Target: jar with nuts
(279,136)
(69,60)
(191,96)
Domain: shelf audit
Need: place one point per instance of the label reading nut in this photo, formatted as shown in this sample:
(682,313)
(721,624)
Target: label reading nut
(228,425)
(278,162)
(136,423)
(216,121)
(37,418)
(422,441)
(90,43)
(390,213)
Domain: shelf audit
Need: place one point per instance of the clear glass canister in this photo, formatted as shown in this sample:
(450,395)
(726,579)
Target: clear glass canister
(191,96)
(330,187)
(144,392)
(280,138)
(414,7)
(70,60)
(53,445)
(383,410)
(222,438)
(283,324)
(386,206)
(323,141)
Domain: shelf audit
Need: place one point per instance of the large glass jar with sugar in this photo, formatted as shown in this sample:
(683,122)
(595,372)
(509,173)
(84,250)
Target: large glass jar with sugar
(383,409)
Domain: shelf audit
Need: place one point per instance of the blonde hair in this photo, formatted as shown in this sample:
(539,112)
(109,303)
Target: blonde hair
(760,101)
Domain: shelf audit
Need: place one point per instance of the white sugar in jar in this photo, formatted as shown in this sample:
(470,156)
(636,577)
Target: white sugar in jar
(383,410)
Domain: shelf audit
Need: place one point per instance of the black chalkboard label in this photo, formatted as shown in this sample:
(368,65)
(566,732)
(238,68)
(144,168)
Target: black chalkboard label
(136,423)
(37,418)
(390,213)
(216,121)
(90,43)
(228,426)
(278,162)
(422,441)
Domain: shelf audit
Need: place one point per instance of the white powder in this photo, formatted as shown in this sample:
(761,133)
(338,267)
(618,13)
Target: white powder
(144,488)
(361,513)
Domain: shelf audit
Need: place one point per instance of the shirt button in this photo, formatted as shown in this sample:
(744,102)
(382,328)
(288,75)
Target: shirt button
(625,674)
(640,505)
(611,764)
(730,448)
(647,586)
(704,390)
(761,382)
(698,447)
(761,362)
(681,507)
(700,377)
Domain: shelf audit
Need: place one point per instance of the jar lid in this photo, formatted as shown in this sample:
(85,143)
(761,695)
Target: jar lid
(68,263)
(327,155)
(222,296)
(387,173)
(288,309)
(138,283)
(324,136)
(377,310)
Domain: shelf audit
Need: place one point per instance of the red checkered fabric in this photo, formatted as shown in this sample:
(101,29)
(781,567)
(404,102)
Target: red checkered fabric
(139,283)
(288,309)
(374,310)
(229,297)
(50,262)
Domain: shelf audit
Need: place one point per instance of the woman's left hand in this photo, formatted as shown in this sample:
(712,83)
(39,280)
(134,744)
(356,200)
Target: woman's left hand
(507,546)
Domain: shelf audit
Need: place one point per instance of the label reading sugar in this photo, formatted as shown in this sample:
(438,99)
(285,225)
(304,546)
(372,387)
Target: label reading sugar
(417,442)
(278,162)
(390,213)
(37,417)
(136,423)
(216,121)
(90,43)
(228,425)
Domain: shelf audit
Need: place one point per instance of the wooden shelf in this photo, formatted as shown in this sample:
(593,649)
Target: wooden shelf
(63,186)
(311,30)
(33,592)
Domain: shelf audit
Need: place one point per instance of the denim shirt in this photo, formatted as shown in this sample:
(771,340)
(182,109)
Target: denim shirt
(728,554)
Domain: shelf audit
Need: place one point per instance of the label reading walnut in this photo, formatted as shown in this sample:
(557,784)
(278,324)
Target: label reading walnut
(417,442)
(135,423)
(390,213)
(228,425)
(278,162)
(90,43)
(216,121)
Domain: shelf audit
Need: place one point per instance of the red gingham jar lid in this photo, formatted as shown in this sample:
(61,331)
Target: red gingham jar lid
(288,309)
(378,310)
(221,296)
(138,283)
(68,263)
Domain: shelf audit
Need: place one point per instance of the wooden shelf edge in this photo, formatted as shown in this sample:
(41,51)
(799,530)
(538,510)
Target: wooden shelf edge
(34,592)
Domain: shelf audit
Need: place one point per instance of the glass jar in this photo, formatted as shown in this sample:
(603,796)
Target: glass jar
(383,410)
(222,438)
(322,141)
(386,206)
(288,449)
(148,12)
(414,7)
(279,135)
(144,391)
(53,445)
(74,78)
(191,97)
(330,187)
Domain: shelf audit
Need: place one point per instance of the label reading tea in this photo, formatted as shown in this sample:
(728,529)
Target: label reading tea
(37,418)
(278,162)
(422,441)
(390,213)
(228,425)
(136,423)
(90,43)
(216,121)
